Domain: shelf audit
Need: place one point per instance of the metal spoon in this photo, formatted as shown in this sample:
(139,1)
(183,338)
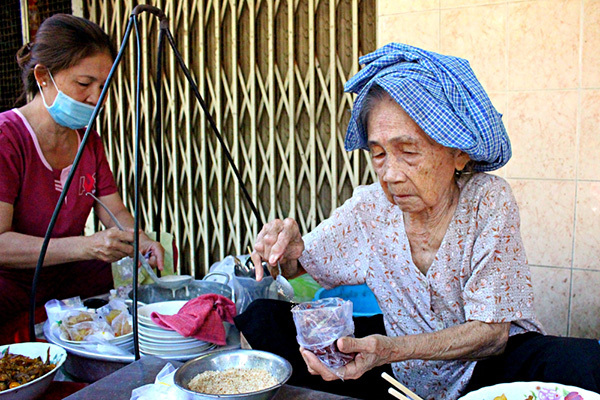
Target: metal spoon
(284,287)
(168,282)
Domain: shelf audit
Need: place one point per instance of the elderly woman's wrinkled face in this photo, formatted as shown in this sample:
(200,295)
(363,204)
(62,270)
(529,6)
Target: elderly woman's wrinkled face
(415,172)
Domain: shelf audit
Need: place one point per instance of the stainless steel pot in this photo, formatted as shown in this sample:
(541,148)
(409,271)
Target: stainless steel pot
(153,293)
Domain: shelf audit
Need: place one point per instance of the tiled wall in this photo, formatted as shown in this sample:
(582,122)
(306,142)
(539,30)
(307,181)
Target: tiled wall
(540,63)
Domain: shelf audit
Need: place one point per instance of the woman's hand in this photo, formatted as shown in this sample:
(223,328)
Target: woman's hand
(278,241)
(371,351)
(110,245)
(155,249)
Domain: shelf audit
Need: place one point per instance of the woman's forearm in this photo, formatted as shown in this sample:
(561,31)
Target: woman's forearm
(23,251)
(473,340)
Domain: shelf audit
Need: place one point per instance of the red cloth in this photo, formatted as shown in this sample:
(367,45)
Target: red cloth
(201,318)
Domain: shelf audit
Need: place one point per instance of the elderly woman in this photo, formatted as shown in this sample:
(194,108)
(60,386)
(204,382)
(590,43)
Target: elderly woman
(436,239)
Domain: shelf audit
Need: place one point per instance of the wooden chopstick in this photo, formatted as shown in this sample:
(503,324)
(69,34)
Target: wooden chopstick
(400,386)
(397,394)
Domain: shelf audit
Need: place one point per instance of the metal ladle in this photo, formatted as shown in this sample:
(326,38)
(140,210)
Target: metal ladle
(168,282)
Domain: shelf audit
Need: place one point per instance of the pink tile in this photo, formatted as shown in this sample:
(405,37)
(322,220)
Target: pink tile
(585,305)
(551,298)
(547,212)
(543,44)
(479,35)
(587,226)
(420,29)
(589,141)
(591,44)
(542,127)
(389,7)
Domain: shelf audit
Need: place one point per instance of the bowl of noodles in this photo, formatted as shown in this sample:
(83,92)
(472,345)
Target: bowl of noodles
(233,374)
(531,391)
(26,369)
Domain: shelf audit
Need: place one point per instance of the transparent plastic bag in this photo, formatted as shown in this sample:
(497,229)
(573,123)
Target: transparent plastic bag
(319,324)
(246,288)
(83,331)
(55,309)
(116,314)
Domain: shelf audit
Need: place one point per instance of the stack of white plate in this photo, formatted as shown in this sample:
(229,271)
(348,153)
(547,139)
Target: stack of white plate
(163,343)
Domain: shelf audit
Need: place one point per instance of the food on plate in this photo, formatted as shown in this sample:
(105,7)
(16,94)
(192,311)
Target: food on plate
(547,394)
(232,381)
(17,370)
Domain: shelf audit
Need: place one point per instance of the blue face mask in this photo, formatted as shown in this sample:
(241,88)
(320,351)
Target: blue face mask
(67,111)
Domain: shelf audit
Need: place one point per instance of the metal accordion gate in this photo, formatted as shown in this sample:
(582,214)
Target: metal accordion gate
(272,73)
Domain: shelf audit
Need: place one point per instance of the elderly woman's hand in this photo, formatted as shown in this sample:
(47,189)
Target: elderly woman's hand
(278,241)
(371,351)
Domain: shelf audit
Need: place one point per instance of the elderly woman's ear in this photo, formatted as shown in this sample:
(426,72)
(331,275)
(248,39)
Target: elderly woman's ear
(461,159)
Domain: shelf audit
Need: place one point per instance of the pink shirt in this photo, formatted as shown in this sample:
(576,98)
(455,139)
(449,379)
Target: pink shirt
(32,186)
(480,271)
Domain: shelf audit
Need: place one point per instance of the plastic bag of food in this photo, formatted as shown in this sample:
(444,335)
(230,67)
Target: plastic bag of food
(75,316)
(88,329)
(116,314)
(56,308)
(319,324)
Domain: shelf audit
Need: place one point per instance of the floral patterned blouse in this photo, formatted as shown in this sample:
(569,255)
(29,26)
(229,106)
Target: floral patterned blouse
(480,271)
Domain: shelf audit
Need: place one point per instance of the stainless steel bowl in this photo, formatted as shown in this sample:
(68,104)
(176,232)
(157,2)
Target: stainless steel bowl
(277,366)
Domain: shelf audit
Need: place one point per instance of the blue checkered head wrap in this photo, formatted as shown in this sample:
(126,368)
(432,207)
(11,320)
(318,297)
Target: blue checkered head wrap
(441,94)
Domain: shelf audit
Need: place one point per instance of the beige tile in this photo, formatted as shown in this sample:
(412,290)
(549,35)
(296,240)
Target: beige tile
(500,102)
(547,212)
(591,44)
(587,226)
(479,35)
(389,7)
(551,295)
(543,44)
(417,29)
(467,3)
(589,141)
(585,305)
(542,127)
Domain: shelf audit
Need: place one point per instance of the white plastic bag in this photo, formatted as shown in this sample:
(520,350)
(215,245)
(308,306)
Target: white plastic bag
(163,387)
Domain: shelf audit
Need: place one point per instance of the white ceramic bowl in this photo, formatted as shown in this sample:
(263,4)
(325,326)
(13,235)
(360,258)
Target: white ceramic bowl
(35,388)
(164,307)
(521,390)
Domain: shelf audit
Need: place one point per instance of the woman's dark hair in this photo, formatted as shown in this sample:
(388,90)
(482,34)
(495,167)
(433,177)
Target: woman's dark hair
(61,42)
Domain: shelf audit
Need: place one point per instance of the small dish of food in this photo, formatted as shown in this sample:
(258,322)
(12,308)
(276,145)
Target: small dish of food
(26,369)
(233,374)
(531,391)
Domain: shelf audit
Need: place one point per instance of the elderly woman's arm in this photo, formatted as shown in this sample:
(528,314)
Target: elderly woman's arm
(473,340)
